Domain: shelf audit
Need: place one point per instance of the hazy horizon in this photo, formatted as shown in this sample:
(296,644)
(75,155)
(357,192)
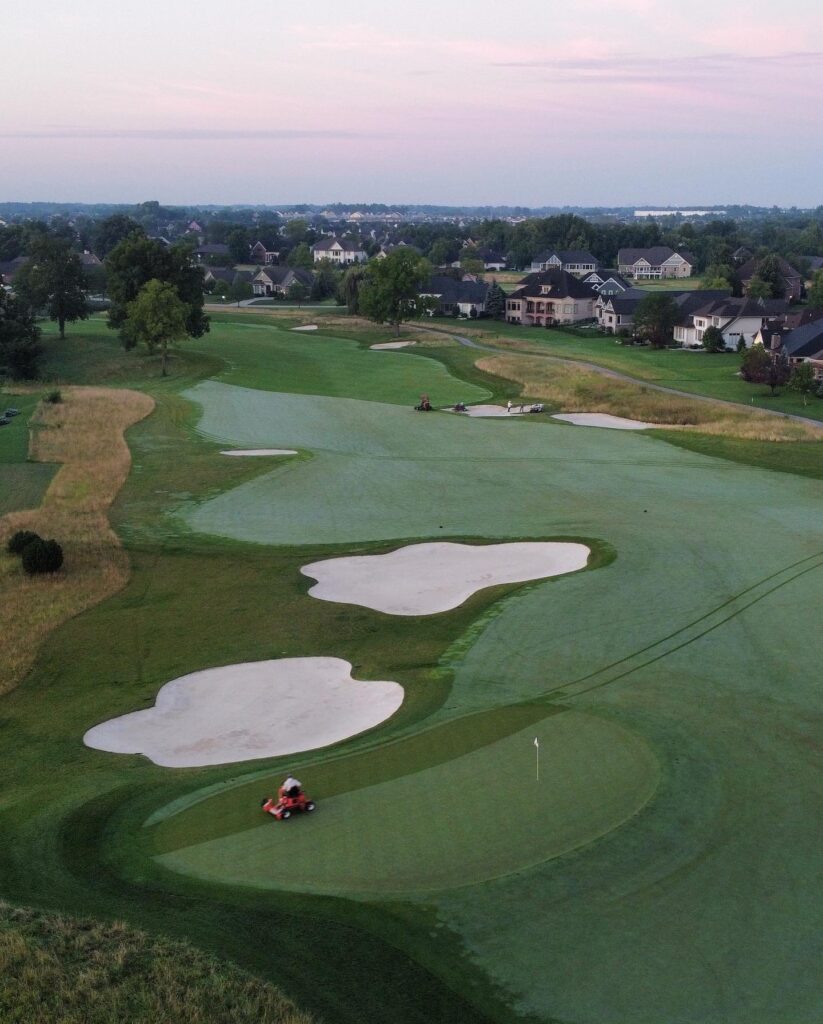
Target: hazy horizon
(599,103)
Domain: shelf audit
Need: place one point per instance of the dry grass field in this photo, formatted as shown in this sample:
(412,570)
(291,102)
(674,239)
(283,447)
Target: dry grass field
(84,433)
(575,389)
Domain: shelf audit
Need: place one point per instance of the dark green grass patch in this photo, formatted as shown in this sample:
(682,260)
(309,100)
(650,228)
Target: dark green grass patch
(22,483)
(805,458)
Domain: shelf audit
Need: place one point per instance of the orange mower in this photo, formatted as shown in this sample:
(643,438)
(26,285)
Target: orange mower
(287,803)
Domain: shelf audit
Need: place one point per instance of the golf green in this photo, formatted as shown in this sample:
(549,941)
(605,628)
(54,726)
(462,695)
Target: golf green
(470,819)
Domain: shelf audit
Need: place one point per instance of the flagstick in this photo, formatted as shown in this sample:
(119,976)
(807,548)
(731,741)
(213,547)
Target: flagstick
(537,758)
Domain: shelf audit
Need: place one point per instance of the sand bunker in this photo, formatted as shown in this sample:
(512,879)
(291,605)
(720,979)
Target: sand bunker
(261,451)
(423,579)
(243,712)
(392,344)
(494,410)
(306,327)
(603,419)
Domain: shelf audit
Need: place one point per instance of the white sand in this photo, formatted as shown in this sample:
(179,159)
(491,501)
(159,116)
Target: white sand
(423,579)
(392,344)
(493,410)
(261,451)
(306,327)
(243,712)
(603,419)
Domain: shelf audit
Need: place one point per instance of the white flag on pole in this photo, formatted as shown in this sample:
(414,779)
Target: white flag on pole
(537,758)
(535,742)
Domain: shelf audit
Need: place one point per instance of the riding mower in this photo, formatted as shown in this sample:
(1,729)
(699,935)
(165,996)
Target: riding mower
(286,804)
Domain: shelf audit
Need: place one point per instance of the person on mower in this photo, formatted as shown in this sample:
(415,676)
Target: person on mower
(290,787)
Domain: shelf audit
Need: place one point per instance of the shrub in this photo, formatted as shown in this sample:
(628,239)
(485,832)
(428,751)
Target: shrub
(20,540)
(54,397)
(42,556)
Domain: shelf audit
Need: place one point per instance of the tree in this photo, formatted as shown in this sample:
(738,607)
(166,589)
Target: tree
(768,271)
(802,379)
(156,319)
(138,260)
(444,251)
(470,261)
(390,292)
(815,295)
(301,257)
(19,338)
(238,243)
(325,282)
(760,366)
(240,290)
(52,279)
(348,291)
(713,340)
(298,292)
(496,301)
(759,289)
(110,231)
(655,317)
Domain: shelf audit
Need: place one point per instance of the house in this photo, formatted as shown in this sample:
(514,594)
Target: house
(655,263)
(260,255)
(274,280)
(210,250)
(226,275)
(388,249)
(735,318)
(792,279)
(799,344)
(9,269)
(492,260)
(742,254)
(573,261)
(88,260)
(468,298)
(338,250)
(615,311)
(606,282)
(550,297)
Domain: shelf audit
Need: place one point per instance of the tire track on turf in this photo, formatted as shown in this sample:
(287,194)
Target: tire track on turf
(760,590)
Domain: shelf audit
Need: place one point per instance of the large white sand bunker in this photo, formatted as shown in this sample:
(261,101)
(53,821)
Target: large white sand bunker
(383,345)
(423,579)
(604,419)
(260,451)
(243,712)
(306,327)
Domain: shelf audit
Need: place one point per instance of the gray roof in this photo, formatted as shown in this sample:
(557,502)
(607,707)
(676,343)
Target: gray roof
(804,342)
(212,249)
(563,285)
(749,269)
(656,255)
(325,243)
(566,256)
(448,290)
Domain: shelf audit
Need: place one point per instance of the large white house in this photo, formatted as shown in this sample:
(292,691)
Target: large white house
(653,264)
(338,250)
(574,261)
(736,319)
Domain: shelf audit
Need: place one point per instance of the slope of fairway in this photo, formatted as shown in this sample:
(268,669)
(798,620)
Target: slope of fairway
(22,483)
(477,817)
(272,358)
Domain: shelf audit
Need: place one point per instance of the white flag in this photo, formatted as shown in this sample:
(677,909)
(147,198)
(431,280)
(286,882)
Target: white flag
(535,742)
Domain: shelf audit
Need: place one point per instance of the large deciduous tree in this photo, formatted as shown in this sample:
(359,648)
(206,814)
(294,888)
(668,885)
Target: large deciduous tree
(390,291)
(815,295)
(156,319)
(52,279)
(137,260)
(655,317)
(760,366)
(19,338)
(110,231)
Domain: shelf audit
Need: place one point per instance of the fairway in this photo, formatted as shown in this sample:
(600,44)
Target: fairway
(470,819)
(673,683)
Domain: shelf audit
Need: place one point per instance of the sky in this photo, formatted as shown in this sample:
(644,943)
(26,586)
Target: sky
(533,103)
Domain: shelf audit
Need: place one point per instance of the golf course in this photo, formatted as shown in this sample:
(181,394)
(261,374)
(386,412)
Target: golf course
(554,688)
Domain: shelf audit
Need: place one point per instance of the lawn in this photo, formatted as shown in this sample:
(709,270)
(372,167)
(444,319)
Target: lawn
(22,483)
(659,872)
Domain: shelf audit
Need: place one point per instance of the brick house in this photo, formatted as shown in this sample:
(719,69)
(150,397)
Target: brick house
(654,264)
(550,297)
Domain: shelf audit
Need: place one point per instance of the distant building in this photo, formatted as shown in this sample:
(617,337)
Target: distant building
(338,250)
(273,280)
(736,319)
(606,282)
(467,297)
(261,255)
(208,251)
(791,278)
(655,263)
(550,297)
(574,261)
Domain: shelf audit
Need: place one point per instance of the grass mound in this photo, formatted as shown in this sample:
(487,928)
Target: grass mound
(58,969)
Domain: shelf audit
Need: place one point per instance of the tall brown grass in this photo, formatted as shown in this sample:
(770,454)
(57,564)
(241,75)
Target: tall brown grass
(569,388)
(84,433)
(58,970)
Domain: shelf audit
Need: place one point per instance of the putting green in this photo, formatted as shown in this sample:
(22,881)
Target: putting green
(468,820)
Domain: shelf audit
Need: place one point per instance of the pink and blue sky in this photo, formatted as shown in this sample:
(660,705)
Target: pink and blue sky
(600,102)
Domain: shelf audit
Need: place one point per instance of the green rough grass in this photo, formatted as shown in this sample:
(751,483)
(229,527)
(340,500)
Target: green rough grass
(59,970)
(22,484)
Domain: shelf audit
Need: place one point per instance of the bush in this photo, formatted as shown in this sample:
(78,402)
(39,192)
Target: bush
(42,556)
(20,540)
(54,397)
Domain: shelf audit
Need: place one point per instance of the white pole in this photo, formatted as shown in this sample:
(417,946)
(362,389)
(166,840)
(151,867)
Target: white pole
(537,758)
